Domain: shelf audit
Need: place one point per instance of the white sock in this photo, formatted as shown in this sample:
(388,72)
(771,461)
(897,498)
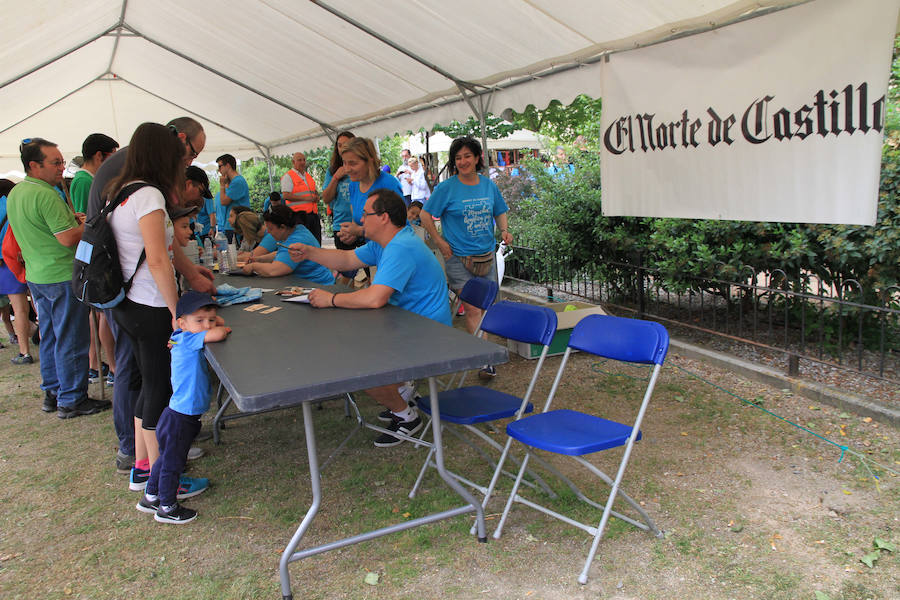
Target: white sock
(151,497)
(406,415)
(168,508)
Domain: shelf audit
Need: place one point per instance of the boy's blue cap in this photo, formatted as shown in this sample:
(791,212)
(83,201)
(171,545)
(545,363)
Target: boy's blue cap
(192,301)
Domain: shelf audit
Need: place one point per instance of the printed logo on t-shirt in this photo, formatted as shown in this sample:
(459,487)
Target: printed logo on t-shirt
(477,215)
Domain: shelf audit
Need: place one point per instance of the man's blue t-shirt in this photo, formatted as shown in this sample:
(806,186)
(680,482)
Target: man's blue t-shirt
(358,199)
(269,243)
(239,193)
(208,208)
(340,206)
(410,268)
(190,379)
(306,269)
(467,214)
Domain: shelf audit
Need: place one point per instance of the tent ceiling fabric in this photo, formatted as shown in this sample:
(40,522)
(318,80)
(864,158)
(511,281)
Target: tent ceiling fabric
(278,75)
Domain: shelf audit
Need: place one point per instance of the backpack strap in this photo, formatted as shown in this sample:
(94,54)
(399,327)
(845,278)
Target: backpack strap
(104,213)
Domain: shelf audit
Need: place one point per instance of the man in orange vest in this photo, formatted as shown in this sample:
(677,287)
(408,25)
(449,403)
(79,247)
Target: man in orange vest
(298,190)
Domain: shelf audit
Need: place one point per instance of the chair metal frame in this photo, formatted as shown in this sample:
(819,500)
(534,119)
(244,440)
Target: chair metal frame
(616,338)
(495,321)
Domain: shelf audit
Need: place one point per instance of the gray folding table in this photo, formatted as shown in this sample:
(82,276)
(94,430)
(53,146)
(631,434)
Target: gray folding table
(300,354)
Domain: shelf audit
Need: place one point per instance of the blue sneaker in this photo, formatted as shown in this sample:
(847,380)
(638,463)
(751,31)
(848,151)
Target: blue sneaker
(138,480)
(93,376)
(188,487)
(110,379)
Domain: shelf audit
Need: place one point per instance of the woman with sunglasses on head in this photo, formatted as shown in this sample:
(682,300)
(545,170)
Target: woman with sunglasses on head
(364,169)
(468,204)
(141,225)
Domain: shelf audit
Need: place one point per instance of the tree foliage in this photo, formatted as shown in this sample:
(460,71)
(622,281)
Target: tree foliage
(564,123)
(495,128)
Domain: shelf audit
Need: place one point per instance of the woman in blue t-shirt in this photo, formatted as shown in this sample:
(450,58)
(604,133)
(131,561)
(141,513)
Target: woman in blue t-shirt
(467,204)
(364,169)
(282,226)
(337,196)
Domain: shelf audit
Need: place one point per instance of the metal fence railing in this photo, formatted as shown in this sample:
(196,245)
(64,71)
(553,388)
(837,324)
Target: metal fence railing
(803,319)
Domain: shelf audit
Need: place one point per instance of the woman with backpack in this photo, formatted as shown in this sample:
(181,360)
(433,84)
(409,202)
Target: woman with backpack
(144,233)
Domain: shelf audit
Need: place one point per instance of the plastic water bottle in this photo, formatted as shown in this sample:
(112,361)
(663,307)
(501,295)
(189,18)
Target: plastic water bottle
(208,252)
(221,248)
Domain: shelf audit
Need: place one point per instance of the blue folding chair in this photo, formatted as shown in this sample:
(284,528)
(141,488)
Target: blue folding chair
(576,434)
(470,405)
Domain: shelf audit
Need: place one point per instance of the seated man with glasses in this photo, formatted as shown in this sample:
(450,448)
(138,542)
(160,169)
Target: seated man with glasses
(47,232)
(408,276)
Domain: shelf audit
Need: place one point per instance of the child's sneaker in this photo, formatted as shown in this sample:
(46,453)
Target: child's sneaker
(110,379)
(188,487)
(145,505)
(138,480)
(177,515)
(93,376)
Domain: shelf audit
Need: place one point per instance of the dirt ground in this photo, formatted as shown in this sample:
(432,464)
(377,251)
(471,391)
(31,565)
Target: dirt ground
(751,506)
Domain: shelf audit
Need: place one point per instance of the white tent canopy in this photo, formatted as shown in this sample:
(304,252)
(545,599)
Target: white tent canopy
(270,76)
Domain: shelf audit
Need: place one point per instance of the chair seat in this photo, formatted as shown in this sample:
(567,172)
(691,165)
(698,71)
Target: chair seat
(475,404)
(568,432)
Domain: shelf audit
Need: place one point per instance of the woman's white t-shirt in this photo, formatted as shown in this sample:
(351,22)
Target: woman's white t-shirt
(124,222)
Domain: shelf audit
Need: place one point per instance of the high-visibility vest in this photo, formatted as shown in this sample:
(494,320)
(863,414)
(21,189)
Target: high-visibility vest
(304,183)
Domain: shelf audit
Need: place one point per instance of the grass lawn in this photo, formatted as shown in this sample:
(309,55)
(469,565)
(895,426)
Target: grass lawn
(751,506)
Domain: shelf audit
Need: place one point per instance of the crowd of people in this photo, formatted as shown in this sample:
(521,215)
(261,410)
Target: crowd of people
(153,338)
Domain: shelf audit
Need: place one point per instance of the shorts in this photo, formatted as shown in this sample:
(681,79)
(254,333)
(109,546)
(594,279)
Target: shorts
(458,275)
(8,282)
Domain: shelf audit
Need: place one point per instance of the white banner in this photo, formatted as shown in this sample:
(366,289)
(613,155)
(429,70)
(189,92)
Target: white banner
(777,118)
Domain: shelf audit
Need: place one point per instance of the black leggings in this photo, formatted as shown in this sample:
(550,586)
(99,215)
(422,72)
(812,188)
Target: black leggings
(149,328)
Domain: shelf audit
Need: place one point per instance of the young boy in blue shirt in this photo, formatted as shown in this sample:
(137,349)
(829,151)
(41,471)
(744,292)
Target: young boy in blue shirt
(180,421)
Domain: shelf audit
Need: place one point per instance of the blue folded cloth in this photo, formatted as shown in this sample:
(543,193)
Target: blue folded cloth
(227,295)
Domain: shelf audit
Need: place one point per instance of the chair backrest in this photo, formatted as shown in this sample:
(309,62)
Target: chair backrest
(521,322)
(479,292)
(629,340)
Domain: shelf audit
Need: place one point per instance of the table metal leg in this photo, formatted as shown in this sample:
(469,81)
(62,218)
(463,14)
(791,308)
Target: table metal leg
(313,509)
(439,462)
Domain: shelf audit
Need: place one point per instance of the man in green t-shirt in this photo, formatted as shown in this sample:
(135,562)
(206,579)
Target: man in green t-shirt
(47,233)
(96,148)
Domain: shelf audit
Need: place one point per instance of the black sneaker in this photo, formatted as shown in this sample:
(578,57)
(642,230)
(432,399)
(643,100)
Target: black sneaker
(23,359)
(177,515)
(49,404)
(487,372)
(93,376)
(145,505)
(124,462)
(386,440)
(386,416)
(85,406)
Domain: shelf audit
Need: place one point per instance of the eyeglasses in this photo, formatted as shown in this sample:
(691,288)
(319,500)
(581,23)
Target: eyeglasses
(372,214)
(187,140)
(55,163)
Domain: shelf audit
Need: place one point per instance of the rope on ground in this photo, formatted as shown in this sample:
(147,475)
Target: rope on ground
(865,460)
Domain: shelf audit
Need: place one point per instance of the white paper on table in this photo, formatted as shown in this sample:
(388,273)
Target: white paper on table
(304,299)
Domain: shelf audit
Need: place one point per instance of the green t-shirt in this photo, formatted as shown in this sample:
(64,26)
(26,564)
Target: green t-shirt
(79,189)
(36,215)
